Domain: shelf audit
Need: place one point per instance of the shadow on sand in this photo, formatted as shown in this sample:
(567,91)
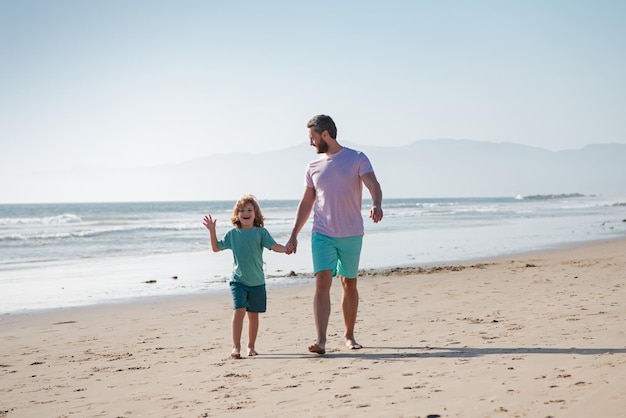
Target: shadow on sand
(400,353)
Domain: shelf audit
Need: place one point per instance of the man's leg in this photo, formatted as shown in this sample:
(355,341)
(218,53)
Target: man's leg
(350,307)
(321,309)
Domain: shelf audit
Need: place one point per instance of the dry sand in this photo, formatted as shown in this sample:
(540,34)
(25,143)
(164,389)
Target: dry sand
(536,335)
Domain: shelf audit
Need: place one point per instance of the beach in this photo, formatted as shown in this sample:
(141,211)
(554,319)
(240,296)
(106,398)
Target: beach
(537,334)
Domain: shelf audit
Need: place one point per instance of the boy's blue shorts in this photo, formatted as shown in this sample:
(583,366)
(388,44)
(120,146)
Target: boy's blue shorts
(341,255)
(253,298)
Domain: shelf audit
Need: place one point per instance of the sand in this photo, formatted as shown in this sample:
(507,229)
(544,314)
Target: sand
(534,335)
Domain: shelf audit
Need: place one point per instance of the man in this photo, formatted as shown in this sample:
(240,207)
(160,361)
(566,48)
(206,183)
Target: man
(333,190)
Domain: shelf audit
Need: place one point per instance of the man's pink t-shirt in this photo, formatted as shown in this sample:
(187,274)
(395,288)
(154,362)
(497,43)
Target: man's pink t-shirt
(338,188)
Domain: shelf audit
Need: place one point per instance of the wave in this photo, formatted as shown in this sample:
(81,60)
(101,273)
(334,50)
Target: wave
(67,218)
(97,232)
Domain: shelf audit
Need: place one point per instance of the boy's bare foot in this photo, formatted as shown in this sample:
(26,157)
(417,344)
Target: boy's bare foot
(252,352)
(317,348)
(353,345)
(235,353)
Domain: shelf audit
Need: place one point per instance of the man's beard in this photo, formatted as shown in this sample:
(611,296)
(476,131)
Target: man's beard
(321,147)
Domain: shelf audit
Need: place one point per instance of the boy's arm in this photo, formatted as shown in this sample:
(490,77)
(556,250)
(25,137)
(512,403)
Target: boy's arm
(278,248)
(214,246)
(210,223)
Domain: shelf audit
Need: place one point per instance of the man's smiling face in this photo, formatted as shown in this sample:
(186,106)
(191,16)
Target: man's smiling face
(317,140)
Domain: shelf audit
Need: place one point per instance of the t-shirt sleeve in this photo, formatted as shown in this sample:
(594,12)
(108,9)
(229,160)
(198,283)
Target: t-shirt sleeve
(226,243)
(266,239)
(308,180)
(364,165)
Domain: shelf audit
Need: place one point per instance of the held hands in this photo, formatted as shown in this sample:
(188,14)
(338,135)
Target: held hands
(376,214)
(292,246)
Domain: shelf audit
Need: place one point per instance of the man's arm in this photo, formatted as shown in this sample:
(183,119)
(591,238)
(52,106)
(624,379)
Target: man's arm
(371,182)
(302,216)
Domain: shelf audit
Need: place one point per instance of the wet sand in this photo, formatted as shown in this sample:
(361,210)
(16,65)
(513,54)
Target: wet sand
(533,335)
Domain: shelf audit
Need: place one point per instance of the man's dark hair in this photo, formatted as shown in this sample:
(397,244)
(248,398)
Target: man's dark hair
(321,123)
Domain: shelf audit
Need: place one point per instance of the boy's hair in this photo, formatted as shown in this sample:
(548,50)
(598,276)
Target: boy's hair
(321,123)
(258,216)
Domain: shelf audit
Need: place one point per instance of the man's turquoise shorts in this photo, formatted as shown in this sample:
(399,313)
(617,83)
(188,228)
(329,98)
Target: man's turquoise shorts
(341,255)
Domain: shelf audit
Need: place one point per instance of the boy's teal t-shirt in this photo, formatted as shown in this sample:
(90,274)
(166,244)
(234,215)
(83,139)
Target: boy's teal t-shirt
(247,246)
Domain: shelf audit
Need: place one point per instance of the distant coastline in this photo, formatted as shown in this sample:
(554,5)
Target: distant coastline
(557,196)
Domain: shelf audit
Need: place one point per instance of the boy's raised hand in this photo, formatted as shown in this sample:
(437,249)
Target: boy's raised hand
(209,223)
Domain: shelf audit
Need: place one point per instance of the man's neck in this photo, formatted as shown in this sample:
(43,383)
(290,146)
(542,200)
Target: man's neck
(333,148)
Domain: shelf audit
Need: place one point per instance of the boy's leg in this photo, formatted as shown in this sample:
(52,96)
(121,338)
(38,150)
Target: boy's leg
(253,330)
(257,303)
(237,328)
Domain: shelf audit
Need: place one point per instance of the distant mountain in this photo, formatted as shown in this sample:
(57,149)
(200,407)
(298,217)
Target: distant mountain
(429,168)
(426,168)
(473,168)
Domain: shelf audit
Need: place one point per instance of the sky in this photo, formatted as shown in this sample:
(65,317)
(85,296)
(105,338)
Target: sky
(121,83)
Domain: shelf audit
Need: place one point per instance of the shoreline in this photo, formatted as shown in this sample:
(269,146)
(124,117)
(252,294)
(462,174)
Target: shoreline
(304,278)
(417,234)
(537,334)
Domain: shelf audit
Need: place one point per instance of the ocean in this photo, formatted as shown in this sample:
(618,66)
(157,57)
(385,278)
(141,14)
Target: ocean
(73,254)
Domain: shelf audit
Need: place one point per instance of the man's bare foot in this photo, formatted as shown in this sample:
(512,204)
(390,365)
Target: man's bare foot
(252,352)
(235,353)
(317,348)
(353,345)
